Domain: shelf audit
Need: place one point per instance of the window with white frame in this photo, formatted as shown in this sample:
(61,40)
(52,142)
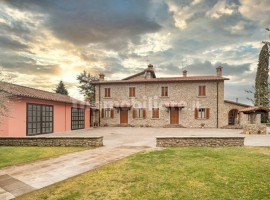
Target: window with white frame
(139,113)
(202,113)
(107,112)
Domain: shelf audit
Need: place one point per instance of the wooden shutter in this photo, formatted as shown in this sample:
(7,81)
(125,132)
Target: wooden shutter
(207,110)
(109,92)
(166,91)
(155,113)
(102,113)
(132,92)
(144,113)
(112,113)
(134,113)
(203,91)
(196,113)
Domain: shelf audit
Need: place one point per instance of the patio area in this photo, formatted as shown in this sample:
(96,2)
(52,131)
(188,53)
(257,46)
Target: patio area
(146,137)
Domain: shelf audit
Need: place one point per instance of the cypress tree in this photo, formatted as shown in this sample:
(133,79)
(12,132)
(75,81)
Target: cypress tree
(261,95)
(61,89)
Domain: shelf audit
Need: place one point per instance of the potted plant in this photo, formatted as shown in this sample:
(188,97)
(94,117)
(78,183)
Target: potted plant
(202,125)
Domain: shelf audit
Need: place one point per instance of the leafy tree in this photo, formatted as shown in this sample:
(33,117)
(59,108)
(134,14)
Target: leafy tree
(61,89)
(86,87)
(261,95)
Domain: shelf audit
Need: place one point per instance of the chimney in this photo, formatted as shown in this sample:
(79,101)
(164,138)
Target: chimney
(219,71)
(150,67)
(185,73)
(101,77)
(149,71)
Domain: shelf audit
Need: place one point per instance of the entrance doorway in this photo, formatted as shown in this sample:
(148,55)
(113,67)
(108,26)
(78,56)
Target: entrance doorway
(174,116)
(233,116)
(123,116)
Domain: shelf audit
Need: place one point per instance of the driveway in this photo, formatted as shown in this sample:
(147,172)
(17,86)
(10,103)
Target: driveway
(118,143)
(130,136)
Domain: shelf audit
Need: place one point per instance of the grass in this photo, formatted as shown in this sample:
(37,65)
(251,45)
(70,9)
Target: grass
(17,155)
(174,173)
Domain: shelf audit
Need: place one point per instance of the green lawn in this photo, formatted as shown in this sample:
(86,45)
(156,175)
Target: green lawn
(16,155)
(175,173)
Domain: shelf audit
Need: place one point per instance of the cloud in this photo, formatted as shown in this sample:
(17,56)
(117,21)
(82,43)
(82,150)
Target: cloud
(220,9)
(24,65)
(256,11)
(114,23)
(11,44)
(56,40)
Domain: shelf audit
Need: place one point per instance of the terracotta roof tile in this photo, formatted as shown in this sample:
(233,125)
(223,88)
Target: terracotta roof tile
(23,91)
(166,79)
(141,73)
(173,105)
(236,103)
(254,109)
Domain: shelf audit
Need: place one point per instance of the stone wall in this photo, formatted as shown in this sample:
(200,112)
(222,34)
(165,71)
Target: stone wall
(52,141)
(149,96)
(255,129)
(199,141)
(225,113)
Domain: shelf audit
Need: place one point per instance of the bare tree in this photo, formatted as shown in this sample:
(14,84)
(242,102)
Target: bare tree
(4,96)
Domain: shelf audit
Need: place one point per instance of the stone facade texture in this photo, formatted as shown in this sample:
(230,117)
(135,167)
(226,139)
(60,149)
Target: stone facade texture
(148,96)
(241,119)
(52,141)
(199,141)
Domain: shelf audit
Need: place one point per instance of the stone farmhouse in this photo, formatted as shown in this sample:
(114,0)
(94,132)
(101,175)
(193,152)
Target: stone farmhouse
(145,100)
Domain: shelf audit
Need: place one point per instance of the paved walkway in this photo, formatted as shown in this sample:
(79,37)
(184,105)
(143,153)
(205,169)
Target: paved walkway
(119,143)
(21,179)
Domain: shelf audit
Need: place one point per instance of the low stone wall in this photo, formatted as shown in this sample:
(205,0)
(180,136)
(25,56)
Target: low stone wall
(193,141)
(255,129)
(52,141)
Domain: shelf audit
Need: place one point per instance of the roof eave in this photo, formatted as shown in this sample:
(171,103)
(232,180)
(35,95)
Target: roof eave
(153,81)
(44,99)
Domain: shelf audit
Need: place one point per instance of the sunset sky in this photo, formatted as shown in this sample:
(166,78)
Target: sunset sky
(45,41)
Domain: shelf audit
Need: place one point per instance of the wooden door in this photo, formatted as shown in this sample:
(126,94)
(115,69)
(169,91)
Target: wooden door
(174,116)
(123,116)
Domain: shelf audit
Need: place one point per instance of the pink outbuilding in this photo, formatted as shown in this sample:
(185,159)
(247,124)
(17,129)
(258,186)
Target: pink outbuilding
(32,112)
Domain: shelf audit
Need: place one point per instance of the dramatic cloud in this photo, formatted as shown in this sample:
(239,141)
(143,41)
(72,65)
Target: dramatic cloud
(43,42)
(256,11)
(83,22)
(8,43)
